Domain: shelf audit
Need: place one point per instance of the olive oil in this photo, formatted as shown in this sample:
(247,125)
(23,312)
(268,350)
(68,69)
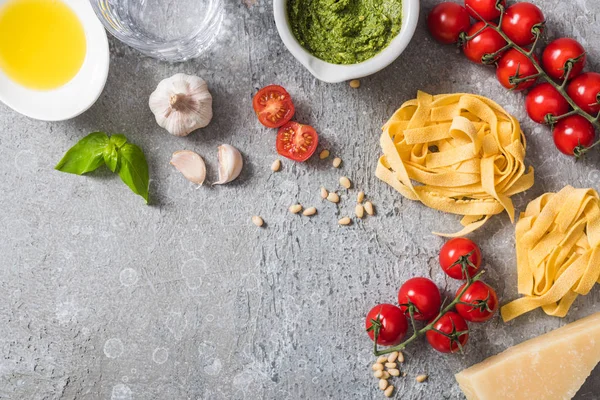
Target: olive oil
(42,43)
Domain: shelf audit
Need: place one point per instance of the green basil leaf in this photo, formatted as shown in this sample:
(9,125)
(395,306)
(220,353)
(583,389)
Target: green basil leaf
(86,156)
(118,140)
(133,169)
(111,156)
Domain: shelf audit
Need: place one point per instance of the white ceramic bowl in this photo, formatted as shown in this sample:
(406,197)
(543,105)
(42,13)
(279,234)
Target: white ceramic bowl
(334,73)
(77,95)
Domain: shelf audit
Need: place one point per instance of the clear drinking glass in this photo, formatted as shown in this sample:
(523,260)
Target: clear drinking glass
(171,30)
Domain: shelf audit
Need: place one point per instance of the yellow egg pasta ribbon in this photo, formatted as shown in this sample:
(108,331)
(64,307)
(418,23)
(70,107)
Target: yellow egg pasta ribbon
(558,252)
(458,153)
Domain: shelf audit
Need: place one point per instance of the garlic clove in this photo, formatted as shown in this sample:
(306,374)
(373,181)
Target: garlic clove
(191,165)
(230,164)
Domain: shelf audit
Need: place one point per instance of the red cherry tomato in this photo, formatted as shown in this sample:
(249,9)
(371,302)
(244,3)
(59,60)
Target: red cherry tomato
(393,324)
(485,8)
(556,55)
(452,324)
(519,20)
(515,64)
(482,299)
(487,42)
(424,295)
(273,105)
(296,141)
(543,100)
(447,21)
(585,92)
(456,252)
(572,132)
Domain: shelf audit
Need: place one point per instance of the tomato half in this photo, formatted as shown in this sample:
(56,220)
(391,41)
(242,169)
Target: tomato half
(585,92)
(451,324)
(543,100)
(424,295)
(556,55)
(485,9)
(482,302)
(393,324)
(447,21)
(519,21)
(273,106)
(572,132)
(487,41)
(515,64)
(456,252)
(297,141)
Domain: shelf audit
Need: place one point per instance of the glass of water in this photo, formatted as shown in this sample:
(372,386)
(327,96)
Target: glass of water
(170,30)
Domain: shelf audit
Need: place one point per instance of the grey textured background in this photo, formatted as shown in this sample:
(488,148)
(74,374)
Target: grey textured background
(102,297)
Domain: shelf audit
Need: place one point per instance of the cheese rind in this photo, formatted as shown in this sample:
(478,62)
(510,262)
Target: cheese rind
(552,366)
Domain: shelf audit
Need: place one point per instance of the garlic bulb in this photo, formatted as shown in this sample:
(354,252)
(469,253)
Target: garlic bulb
(191,165)
(181,104)
(230,164)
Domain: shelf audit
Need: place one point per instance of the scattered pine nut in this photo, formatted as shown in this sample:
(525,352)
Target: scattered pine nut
(377,367)
(360,197)
(369,208)
(385,375)
(354,83)
(388,392)
(333,197)
(324,154)
(394,372)
(346,221)
(336,162)
(400,357)
(421,378)
(390,365)
(276,166)
(309,211)
(324,193)
(382,359)
(378,374)
(295,209)
(258,221)
(392,357)
(383,384)
(345,182)
(359,210)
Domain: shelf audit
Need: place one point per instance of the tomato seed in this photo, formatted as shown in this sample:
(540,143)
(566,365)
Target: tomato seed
(333,197)
(347,221)
(421,378)
(324,193)
(369,208)
(276,166)
(295,209)
(336,162)
(359,210)
(355,83)
(309,211)
(345,182)
(324,154)
(258,221)
(359,198)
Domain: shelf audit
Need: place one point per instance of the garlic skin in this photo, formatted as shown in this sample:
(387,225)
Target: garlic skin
(181,104)
(230,164)
(191,165)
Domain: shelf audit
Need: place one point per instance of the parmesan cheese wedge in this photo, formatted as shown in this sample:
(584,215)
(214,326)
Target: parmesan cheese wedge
(552,366)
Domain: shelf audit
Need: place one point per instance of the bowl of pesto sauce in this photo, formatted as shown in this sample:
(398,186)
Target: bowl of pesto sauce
(339,40)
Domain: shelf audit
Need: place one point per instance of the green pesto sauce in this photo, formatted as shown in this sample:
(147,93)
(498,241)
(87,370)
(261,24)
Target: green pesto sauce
(345,31)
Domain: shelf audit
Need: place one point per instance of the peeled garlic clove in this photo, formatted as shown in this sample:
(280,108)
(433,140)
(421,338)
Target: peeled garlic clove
(230,164)
(191,165)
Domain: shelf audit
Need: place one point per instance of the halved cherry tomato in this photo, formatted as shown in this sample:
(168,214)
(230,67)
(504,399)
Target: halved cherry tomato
(424,295)
(393,324)
(447,21)
(573,132)
(297,141)
(457,251)
(556,55)
(585,92)
(543,100)
(485,9)
(482,302)
(488,41)
(451,324)
(515,64)
(519,20)
(273,105)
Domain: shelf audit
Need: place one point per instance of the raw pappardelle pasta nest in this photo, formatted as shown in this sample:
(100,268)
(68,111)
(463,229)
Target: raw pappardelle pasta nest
(458,153)
(558,251)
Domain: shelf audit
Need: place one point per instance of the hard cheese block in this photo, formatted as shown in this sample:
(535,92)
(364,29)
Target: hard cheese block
(552,366)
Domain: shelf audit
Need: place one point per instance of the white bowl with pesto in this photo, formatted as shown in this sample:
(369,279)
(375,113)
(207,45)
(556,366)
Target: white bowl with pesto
(333,73)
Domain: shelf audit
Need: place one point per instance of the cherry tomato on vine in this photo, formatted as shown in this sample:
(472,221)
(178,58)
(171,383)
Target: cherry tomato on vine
(447,21)
(457,251)
(483,300)
(488,41)
(485,8)
(297,141)
(556,55)
(543,100)
(572,132)
(519,20)
(273,105)
(515,64)
(424,295)
(393,324)
(585,92)
(451,324)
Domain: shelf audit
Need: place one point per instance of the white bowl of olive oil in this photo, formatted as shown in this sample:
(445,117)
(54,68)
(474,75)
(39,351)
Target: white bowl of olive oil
(53,57)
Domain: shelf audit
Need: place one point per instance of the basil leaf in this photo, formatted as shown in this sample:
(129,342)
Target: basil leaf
(111,156)
(134,169)
(86,156)
(118,140)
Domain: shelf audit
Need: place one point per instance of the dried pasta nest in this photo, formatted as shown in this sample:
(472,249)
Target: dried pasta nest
(558,251)
(458,153)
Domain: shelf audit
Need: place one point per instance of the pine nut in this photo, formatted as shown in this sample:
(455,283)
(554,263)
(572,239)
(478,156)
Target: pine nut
(324,154)
(378,374)
(421,378)
(354,83)
(383,384)
(400,357)
(333,197)
(390,365)
(295,209)
(345,182)
(276,166)
(382,359)
(324,193)
(369,208)
(386,375)
(309,211)
(359,210)
(392,357)
(336,162)
(258,221)
(394,372)
(388,392)
(377,367)
(345,221)
(360,197)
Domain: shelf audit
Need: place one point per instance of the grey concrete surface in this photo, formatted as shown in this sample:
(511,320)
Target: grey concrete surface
(103,297)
